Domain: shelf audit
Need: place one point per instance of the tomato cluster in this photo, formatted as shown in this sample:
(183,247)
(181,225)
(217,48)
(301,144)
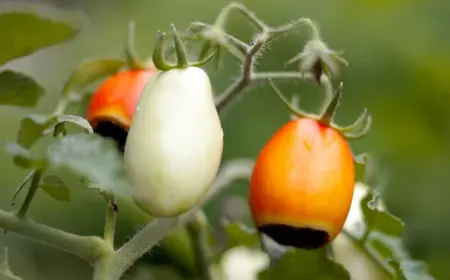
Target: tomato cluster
(302,183)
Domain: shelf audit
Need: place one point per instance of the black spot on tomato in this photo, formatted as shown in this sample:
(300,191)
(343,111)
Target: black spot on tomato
(301,238)
(113,131)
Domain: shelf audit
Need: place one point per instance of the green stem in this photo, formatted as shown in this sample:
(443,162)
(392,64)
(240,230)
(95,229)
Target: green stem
(276,32)
(182,58)
(222,18)
(198,232)
(330,108)
(61,106)
(35,181)
(287,75)
(237,87)
(110,222)
(130,52)
(22,185)
(294,111)
(89,248)
(104,267)
(158,54)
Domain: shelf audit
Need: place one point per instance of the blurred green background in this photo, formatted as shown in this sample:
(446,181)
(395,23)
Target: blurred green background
(399,54)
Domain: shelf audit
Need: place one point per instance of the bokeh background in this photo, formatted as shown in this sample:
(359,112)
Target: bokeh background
(399,54)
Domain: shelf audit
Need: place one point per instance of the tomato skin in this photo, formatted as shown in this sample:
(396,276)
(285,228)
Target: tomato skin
(113,104)
(174,146)
(302,184)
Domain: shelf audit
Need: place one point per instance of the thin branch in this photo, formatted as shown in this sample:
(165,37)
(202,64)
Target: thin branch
(35,181)
(150,235)
(89,248)
(224,99)
(22,185)
(110,221)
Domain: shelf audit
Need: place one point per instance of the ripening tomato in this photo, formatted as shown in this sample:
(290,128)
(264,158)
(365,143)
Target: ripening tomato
(174,146)
(302,185)
(112,105)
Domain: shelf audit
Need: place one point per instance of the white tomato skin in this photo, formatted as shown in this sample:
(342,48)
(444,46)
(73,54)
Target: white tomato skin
(174,146)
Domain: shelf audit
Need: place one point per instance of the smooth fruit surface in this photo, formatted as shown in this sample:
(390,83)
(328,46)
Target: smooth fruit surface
(302,184)
(113,104)
(174,146)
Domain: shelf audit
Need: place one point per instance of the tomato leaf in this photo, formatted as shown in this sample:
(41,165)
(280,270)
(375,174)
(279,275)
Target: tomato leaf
(302,264)
(90,156)
(55,187)
(380,220)
(239,234)
(21,156)
(384,239)
(392,251)
(32,128)
(18,89)
(5,270)
(24,33)
(77,120)
(90,71)
(412,270)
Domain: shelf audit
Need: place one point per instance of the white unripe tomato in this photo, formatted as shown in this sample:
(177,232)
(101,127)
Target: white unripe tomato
(174,146)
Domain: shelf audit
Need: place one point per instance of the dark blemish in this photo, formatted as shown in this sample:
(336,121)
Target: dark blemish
(301,238)
(114,206)
(113,131)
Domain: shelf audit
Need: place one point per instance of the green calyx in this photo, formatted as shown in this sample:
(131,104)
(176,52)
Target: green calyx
(161,62)
(358,129)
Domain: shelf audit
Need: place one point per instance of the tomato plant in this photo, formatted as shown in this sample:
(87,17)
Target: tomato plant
(165,118)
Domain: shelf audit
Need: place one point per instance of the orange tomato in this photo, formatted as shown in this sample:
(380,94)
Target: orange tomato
(302,185)
(113,104)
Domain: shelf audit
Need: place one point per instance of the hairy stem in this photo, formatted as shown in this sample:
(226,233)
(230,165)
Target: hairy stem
(103,268)
(237,87)
(89,248)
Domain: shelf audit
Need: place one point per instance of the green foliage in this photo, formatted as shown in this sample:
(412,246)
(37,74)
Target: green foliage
(383,239)
(55,187)
(239,234)
(90,156)
(23,33)
(21,156)
(17,89)
(97,159)
(76,120)
(32,128)
(299,264)
(379,220)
